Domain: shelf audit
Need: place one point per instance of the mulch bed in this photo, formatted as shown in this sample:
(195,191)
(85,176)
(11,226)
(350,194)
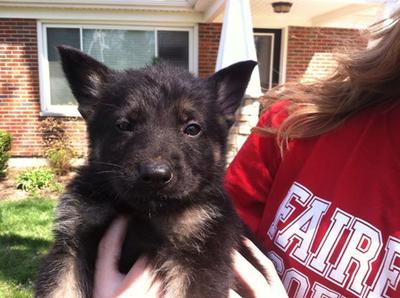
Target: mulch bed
(9,191)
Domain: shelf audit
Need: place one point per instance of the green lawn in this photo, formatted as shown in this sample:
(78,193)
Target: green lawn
(25,235)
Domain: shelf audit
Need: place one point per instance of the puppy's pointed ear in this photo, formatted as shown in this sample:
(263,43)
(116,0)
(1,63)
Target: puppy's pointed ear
(230,84)
(85,76)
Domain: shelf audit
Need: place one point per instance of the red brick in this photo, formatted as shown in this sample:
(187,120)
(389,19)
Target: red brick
(209,35)
(308,49)
(19,89)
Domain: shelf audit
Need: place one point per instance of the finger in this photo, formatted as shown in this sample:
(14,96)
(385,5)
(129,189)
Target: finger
(233,294)
(265,262)
(255,281)
(110,245)
(140,279)
(276,285)
(107,278)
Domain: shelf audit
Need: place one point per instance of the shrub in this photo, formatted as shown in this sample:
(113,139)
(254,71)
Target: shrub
(59,151)
(60,158)
(5,146)
(34,179)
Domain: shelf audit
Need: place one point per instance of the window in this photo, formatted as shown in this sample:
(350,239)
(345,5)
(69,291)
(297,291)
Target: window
(264,51)
(118,48)
(268,48)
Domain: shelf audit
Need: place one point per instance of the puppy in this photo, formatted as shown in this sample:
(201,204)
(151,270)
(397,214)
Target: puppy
(157,145)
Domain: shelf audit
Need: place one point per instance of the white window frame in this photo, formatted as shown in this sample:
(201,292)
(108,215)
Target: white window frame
(46,108)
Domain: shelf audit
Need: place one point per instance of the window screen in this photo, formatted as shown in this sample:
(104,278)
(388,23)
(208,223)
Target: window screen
(120,49)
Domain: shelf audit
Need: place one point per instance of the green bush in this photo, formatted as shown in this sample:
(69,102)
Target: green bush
(34,179)
(60,159)
(58,148)
(5,146)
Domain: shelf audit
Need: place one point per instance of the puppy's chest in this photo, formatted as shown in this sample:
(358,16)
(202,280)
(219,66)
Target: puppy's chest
(165,236)
(190,225)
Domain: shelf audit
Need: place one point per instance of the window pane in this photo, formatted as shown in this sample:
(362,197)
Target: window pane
(173,46)
(60,93)
(264,52)
(120,49)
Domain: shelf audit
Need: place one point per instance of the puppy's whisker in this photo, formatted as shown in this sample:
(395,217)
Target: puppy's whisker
(109,105)
(107,172)
(107,164)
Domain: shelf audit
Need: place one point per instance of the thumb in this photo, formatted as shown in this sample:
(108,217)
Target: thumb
(110,245)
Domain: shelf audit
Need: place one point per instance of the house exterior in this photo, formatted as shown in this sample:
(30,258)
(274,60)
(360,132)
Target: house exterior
(298,45)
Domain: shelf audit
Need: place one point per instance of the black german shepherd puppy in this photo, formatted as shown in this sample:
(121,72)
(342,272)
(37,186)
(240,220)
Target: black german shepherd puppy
(157,141)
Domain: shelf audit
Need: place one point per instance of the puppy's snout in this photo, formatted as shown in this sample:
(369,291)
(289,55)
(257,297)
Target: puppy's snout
(155,173)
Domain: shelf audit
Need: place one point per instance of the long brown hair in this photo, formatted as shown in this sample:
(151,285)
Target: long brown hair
(363,79)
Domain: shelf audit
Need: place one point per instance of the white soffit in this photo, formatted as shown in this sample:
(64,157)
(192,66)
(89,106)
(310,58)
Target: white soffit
(320,13)
(175,5)
(122,11)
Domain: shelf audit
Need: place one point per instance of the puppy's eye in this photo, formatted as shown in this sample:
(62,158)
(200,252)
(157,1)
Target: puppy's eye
(192,129)
(124,125)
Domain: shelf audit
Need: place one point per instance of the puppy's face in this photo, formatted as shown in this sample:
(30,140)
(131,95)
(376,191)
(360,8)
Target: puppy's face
(158,137)
(156,134)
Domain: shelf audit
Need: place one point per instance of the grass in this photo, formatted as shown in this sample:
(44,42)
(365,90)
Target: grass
(25,235)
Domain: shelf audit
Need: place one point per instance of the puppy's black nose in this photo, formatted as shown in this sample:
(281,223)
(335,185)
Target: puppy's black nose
(155,173)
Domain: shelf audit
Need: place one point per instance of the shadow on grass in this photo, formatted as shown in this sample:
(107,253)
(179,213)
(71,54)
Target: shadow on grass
(20,257)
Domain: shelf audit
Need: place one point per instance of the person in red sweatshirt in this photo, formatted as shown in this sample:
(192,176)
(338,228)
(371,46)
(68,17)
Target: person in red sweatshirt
(318,180)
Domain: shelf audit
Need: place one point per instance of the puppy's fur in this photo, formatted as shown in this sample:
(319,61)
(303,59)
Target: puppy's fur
(157,155)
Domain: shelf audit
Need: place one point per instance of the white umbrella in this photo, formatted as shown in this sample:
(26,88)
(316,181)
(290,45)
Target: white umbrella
(237,41)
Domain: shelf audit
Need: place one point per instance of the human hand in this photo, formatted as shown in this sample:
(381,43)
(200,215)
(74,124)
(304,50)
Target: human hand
(140,282)
(109,282)
(262,285)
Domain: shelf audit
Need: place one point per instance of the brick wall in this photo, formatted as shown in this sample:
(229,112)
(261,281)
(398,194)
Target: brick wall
(309,56)
(19,89)
(19,84)
(311,51)
(208,47)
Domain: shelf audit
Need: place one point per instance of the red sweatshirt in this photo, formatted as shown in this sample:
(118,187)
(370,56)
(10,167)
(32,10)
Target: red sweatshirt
(328,212)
